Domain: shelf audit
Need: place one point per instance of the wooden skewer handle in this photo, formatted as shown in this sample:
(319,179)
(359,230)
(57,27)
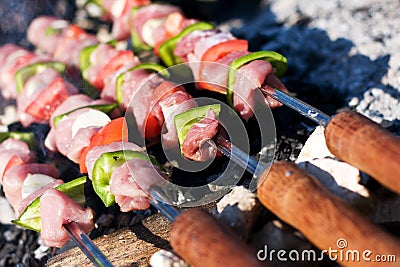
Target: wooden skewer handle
(202,241)
(298,199)
(353,138)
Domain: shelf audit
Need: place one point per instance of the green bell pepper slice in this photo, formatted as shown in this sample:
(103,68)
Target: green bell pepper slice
(50,31)
(26,137)
(106,108)
(23,74)
(84,56)
(84,59)
(84,65)
(137,44)
(150,67)
(105,166)
(185,120)
(98,3)
(31,219)
(167,48)
(277,61)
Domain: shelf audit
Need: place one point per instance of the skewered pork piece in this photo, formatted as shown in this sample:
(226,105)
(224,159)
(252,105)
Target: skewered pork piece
(13,58)
(23,182)
(59,39)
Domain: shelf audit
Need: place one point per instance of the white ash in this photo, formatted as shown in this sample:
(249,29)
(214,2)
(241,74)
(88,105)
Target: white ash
(378,105)
(8,111)
(165,258)
(41,251)
(3,128)
(6,211)
(240,210)
(339,177)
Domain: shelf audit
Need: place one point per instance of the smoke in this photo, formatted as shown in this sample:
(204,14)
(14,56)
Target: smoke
(15,16)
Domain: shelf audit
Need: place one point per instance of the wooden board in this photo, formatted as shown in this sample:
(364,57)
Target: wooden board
(126,247)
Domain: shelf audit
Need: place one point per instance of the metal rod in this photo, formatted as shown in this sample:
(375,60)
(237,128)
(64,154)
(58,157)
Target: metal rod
(297,105)
(240,157)
(167,210)
(87,246)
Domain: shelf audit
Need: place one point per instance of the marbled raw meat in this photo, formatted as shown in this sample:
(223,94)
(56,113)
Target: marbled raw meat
(15,177)
(12,147)
(172,105)
(195,146)
(97,151)
(57,209)
(130,183)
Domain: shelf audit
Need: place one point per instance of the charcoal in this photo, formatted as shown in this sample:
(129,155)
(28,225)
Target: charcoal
(18,246)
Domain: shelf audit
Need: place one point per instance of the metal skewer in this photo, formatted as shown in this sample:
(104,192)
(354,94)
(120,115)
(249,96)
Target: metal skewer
(87,246)
(167,210)
(240,157)
(297,105)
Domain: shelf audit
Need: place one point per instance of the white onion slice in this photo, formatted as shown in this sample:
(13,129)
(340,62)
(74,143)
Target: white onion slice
(90,118)
(34,182)
(148,29)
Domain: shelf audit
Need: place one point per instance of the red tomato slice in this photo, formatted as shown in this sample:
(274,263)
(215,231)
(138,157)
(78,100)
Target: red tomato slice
(155,118)
(173,24)
(156,48)
(152,128)
(222,49)
(164,89)
(114,131)
(15,160)
(21,62)
(216,52)
(121,58)
(71,33)
(49,99)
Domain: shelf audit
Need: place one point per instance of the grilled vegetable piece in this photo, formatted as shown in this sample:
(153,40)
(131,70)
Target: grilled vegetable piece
(23,74)
(49,99)
(105,108)
(278,61)
(217,52)
(166,49)
(105,166)
(150,67)
(116,130)
(186,120)
(14,152)
(222,49)
(97,61)
(30,217)
(27,137)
